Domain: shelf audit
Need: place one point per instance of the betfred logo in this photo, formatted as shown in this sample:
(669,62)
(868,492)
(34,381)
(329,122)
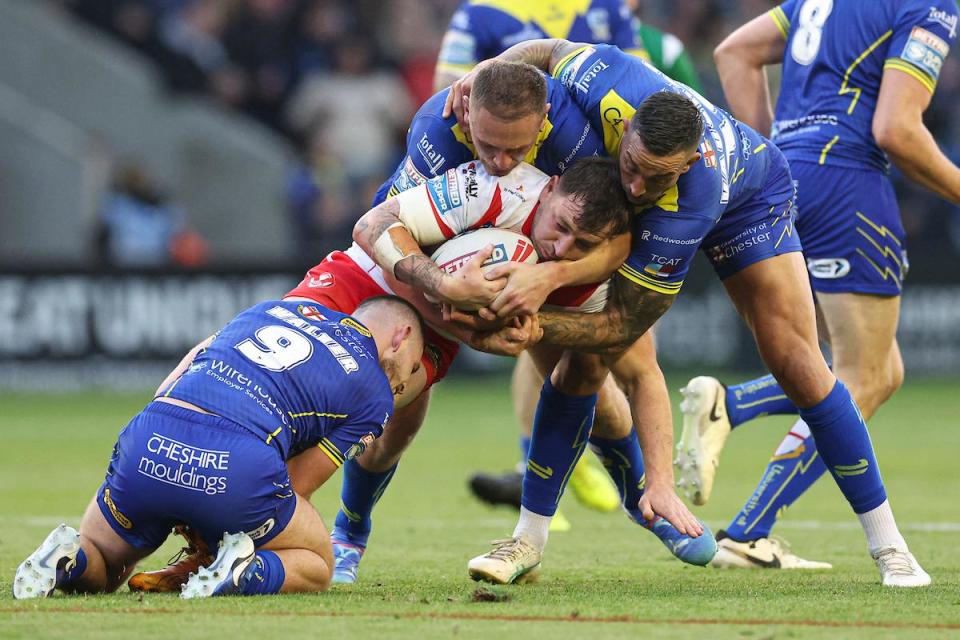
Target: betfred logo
(499,255)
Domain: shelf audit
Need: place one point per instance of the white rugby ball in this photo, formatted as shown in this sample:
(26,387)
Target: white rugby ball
(508,246)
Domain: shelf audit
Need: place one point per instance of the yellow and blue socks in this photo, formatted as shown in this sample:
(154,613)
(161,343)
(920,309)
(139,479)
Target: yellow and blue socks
(359,493)
(844,444)
(560,430)
(265,575)
(623,460)
(795,466)
(754,398)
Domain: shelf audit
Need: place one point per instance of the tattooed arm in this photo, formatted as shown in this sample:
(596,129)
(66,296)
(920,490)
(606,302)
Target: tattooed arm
(391,243)
(543,54)
(631,310)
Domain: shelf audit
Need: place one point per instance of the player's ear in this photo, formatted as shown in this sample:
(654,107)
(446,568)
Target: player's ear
(400,334)
(692,160)
(546,110)
(551,185)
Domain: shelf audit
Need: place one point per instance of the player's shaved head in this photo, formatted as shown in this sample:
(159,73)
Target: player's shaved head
(394,308)
(397,328)
(509,90)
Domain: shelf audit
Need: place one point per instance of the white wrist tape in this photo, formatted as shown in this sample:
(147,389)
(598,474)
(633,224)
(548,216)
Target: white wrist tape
(386,250)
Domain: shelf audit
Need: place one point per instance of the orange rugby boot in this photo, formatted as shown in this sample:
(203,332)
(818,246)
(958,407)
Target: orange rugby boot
(175,574)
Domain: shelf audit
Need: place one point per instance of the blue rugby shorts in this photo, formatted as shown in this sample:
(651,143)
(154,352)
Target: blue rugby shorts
(172,465)
(849,222)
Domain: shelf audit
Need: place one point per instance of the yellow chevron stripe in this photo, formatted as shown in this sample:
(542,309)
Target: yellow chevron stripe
(274,434)
(826,149)
(787,231)
(844,88)
(881,229)
(780,19)
(351,516)
(760,148)
(886,252)
(884,272)
(799,468)
(906,67)
(543,472)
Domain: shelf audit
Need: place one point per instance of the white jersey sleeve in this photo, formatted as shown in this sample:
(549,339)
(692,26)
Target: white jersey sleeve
(466,198)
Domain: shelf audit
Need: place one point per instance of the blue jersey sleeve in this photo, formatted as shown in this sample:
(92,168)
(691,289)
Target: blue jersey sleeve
(663,246)
(434,144)
(567,135)
(350,439)
(921,40)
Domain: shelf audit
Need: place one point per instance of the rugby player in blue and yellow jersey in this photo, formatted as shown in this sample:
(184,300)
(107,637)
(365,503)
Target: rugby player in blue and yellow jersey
(857,77)
(210,450)
(482,29)
(701,179)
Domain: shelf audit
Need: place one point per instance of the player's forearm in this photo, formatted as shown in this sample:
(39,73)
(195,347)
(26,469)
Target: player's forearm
(637,371)
(745,87)
(741,59)
(384,237)
(629,313)
(912,148)
(596,266)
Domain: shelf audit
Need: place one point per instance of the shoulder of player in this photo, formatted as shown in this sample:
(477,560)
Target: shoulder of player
(432,142)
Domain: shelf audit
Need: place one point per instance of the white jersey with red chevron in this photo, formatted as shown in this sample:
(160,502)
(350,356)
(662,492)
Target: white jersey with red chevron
(467,198)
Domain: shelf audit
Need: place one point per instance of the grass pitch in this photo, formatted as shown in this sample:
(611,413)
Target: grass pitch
(605,578)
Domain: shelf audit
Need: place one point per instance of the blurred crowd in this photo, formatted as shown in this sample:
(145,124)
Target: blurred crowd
(342,78)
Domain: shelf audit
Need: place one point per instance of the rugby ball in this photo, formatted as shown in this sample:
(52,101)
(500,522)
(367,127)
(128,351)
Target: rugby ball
(508,246)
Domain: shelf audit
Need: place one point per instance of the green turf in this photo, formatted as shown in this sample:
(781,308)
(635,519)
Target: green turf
(605,578)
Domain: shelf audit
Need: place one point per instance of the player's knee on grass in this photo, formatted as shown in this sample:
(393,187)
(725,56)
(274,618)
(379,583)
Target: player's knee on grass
(305,549)
(110,559)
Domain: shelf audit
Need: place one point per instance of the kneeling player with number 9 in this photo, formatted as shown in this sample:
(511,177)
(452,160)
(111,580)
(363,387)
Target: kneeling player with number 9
(210,451)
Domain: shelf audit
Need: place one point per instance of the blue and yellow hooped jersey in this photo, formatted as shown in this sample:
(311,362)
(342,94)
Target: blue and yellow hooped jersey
(296,374)
(482,29)
(435,144)
(609,85)
(836,53)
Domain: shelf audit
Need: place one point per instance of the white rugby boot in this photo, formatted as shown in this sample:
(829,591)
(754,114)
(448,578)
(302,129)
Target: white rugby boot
(705,430)
(37,575)
(512,560)
(222,577)
(762,553)
(898,568)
